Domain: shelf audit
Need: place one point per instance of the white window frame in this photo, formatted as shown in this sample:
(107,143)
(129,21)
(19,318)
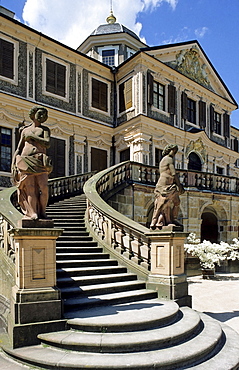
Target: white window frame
(222,126)
(110,47)
(13,80)
(59,61)
(164,112)
(106,113)
(130,51)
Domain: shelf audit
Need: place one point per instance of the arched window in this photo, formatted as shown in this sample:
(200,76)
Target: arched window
(194,162)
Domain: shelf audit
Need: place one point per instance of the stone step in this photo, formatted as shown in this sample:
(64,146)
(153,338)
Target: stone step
(152,334)
(107,299)
(99,289)
(72,249)
(201,347)
(81,256)
(98,279)
(75,231)
(90,271)
(75,237)
(78,243)
(69,224)
(86,263)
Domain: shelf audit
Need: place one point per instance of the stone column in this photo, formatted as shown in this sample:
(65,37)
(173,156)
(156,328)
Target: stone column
(167,274)
(36,302)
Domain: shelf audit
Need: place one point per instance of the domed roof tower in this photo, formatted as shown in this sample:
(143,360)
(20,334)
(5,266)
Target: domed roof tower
(111,43)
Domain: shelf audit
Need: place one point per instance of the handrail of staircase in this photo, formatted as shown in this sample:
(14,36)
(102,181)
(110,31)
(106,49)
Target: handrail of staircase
(129,238)
(10,215)
(62,187)
(124,236)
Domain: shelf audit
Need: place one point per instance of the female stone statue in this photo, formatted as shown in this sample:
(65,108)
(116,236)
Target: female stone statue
(167,191)
(31,166)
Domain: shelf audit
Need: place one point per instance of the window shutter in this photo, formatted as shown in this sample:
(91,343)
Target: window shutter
(61,80)
(6,58)
(125,95)
(121,98)
(184,105)
(212,121)
(171,99)
(150,88)
(103,96)
(235,144)
(55,78)
(226,124)
(50,76)
(99,95)
(95,93)
(128,93)
(202,114)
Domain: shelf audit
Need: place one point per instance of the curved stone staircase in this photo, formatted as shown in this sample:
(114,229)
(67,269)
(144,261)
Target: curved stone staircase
(113,321)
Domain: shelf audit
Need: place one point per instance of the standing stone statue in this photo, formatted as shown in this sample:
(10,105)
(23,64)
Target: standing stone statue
(167,191)
(31,166)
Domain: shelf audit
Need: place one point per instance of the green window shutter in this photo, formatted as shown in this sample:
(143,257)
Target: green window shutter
(6,58)
(171,99)
(150,81)
(226,125)
(99,95)
(55,78)
(184,105)
(202,114)
(212,121)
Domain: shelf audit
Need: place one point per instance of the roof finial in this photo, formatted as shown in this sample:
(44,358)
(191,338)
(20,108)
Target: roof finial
(111,18)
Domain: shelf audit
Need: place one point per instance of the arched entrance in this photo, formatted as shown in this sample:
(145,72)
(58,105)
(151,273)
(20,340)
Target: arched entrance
(194,162)
(209,227)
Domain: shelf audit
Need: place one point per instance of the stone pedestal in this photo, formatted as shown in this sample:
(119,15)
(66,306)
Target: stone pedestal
(167,274)
(36,305)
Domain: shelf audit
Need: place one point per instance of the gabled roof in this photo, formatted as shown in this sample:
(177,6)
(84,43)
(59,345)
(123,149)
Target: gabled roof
(189,59)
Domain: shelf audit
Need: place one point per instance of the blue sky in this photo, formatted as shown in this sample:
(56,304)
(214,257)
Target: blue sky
(214,23)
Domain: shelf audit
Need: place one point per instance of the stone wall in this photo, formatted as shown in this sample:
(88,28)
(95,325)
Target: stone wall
(136,202)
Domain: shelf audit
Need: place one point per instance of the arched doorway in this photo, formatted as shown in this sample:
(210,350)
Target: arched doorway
(209,227)
(194,162)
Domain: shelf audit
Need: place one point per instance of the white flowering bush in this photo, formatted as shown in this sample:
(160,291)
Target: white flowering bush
(211,254)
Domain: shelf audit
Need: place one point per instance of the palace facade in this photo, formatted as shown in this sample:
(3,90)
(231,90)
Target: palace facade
(116,99)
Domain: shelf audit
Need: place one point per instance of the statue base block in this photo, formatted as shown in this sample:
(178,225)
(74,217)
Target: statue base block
(171,287)
(34,311)
(39,224)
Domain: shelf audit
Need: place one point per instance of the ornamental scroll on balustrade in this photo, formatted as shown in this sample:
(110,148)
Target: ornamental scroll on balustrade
(6,241)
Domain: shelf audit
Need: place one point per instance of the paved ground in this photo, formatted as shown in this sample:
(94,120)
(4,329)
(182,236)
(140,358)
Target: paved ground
(219,298)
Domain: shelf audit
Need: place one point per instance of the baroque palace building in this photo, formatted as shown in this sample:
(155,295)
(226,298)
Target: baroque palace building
(116,99)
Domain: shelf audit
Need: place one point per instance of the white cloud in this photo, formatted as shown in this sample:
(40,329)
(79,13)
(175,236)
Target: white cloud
(183,35)
(71,21)
(200,32)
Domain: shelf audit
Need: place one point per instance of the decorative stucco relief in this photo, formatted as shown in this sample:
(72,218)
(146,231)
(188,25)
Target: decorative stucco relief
(198,147)
(189,64)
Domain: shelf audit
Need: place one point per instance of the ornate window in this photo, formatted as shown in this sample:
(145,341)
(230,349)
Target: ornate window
(5,149)
(158,95)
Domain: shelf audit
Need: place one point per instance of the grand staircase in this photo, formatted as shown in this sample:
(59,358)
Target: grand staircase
(113,321)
